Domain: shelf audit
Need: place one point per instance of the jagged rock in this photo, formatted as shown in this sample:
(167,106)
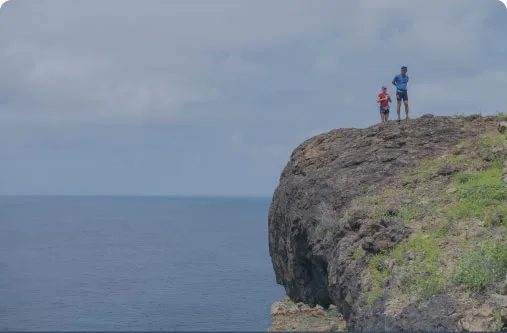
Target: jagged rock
(427,116)
(387,264)
(446,170)
(385,238)
(290,316)
(502,290)
(319,313)
(502,126)
(393,209)
(452,190)
(496,219)
(499,300)
(474,116)
(410,256)
(334,169)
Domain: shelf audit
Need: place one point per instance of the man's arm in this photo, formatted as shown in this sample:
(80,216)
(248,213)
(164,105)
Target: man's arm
(394,82)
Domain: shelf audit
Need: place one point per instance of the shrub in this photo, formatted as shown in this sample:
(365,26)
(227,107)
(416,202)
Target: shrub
(422,275)
(426,275)
(480,194)
(483,267)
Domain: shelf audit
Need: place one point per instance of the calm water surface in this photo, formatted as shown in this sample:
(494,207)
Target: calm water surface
(135,263)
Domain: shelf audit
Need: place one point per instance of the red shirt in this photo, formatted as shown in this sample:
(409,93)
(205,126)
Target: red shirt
(384,104)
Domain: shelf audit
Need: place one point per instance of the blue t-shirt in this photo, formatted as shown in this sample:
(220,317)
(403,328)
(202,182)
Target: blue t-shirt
(401,82)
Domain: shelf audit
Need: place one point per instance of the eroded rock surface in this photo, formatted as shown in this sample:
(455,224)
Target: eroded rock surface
(314,244)
(289,316)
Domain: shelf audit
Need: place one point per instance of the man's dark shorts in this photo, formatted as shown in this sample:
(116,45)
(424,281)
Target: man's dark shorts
(402,95)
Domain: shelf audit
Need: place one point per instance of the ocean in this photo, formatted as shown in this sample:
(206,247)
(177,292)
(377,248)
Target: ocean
(135,263)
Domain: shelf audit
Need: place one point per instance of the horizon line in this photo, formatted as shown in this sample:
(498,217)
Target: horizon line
(183,196)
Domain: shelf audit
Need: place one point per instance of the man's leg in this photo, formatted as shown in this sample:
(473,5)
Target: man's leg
(398,107)
(405,101)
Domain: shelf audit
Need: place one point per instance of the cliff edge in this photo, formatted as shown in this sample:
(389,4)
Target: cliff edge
(401,227)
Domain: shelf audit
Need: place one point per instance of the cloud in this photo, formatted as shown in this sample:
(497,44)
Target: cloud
(252,76)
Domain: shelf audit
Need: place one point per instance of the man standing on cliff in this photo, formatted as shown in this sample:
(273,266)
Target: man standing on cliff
(400,81)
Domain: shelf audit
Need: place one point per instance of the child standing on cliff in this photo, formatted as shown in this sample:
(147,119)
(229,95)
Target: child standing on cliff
(384,99)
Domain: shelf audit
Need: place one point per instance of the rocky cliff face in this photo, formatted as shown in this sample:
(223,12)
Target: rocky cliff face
(382,223)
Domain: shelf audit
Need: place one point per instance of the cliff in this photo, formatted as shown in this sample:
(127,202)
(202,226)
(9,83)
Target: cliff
(402,227)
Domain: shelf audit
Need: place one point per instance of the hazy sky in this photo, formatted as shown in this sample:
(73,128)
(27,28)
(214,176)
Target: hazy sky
(210,97)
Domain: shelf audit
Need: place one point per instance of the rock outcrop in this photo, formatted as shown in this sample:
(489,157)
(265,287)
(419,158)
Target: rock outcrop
(350,195)
(502,127)
(289,316)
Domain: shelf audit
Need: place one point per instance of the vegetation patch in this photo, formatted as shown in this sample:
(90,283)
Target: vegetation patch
(418,264)
(359,254)
(439,207)
(377,275)
(479,194)
(425,274)
(488,140)
(430,168)
(409,212)
(483,267)
(502,115)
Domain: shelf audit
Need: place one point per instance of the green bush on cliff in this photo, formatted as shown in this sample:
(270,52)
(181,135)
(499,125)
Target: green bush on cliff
(429,168)
(488,141)
(502,114)
(483,267)
(418,264)
(377,275)
(479,195)
(424,274)
(409,212)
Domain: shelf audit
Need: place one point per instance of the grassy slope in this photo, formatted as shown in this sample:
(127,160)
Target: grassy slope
(459,222)
(459,244)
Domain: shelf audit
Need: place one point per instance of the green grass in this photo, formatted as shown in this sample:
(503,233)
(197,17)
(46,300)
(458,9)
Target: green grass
(442,230)
(422,276)
(483,267)
(377,277)
(480,194)
(487,141)
(425,275)
(429,168)
(409,212)
(359,254)
(497,315)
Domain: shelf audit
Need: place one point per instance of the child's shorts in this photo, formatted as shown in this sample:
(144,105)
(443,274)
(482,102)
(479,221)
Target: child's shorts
(382,110)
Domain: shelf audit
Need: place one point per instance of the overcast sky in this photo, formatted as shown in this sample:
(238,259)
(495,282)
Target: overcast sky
(210,97)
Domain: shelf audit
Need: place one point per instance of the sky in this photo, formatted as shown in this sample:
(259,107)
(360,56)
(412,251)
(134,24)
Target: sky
(200,97)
